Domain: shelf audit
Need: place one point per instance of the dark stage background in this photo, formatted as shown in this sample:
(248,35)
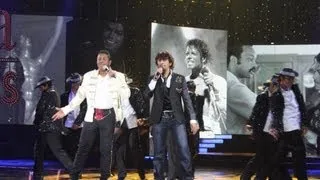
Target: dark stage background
(247,22)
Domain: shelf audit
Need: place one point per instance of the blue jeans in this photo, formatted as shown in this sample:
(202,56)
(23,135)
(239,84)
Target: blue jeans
(178,133)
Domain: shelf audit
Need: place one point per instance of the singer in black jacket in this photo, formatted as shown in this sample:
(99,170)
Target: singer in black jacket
(48,131)
(167,114)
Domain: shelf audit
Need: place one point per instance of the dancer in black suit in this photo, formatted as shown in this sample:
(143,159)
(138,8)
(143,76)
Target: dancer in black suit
(73,121)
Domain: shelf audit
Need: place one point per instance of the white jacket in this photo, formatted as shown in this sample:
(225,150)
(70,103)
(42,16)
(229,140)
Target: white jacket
(119,90)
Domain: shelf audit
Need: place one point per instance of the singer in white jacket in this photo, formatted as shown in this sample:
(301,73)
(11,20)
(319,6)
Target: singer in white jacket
(104,90)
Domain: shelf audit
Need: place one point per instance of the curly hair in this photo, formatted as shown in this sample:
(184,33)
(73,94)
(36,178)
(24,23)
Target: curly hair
(201,46)
(164,55)
(317,57)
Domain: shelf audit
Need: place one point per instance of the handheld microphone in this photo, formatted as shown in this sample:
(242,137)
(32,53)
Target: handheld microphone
(106,68)
(157,75)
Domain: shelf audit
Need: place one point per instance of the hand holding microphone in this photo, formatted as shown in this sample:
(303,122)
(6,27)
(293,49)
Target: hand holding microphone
(109,71)
(207,77)
(106,68)
(158,73)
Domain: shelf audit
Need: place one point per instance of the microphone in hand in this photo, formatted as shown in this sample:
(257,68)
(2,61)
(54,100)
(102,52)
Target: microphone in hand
(106,68)
(109,71)
(158,73)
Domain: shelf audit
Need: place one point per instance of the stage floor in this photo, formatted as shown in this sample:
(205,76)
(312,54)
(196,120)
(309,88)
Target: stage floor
(22,170)
(92,174)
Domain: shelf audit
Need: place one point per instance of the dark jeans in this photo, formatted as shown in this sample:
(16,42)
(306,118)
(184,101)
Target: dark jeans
(105,128)
(293,142)
(178,131)
(53,139)
(173,162)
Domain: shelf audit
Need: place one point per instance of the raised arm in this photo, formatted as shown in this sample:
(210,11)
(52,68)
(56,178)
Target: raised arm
(148,92)
(43,58)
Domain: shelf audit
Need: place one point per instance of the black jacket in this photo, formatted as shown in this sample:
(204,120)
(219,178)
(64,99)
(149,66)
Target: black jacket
(45,110)
(178,90)
(138,103)
(83,108)
(259,113)
(277,108)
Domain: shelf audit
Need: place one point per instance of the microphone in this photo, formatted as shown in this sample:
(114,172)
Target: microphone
(158,74)
(203,71)
(106,68)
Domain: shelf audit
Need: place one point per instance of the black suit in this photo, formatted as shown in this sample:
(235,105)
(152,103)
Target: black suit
(178,90)
(290,140)
(48,132)
(265,144)
(173,121)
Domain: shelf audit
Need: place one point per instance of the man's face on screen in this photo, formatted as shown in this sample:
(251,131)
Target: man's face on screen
(246,65)
(193,57)
(113,36)
(315,69)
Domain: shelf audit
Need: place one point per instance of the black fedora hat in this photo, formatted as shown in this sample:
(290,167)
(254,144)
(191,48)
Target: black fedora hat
(74,78)
(43,80)
(274,80)
(288,72)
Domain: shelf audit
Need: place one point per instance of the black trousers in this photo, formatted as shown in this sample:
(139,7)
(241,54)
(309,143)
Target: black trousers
(119,150)
(262,163)
(136,146)
(292,141)
(54,141)
(105,128)
(71,141)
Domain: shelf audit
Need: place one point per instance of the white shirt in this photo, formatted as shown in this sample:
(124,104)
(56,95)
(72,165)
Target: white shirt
(267,125)
(118,91)
(215,106)
(103,98)
(291,113)
(240,102)
(129,114)
(72,116)
(153,82)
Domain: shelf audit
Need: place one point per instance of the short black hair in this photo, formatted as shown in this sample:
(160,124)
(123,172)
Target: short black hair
(49,83)
(317,57)
(234,50)
(104,51)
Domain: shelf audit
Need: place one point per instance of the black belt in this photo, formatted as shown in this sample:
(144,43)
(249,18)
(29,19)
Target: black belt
(167,113)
